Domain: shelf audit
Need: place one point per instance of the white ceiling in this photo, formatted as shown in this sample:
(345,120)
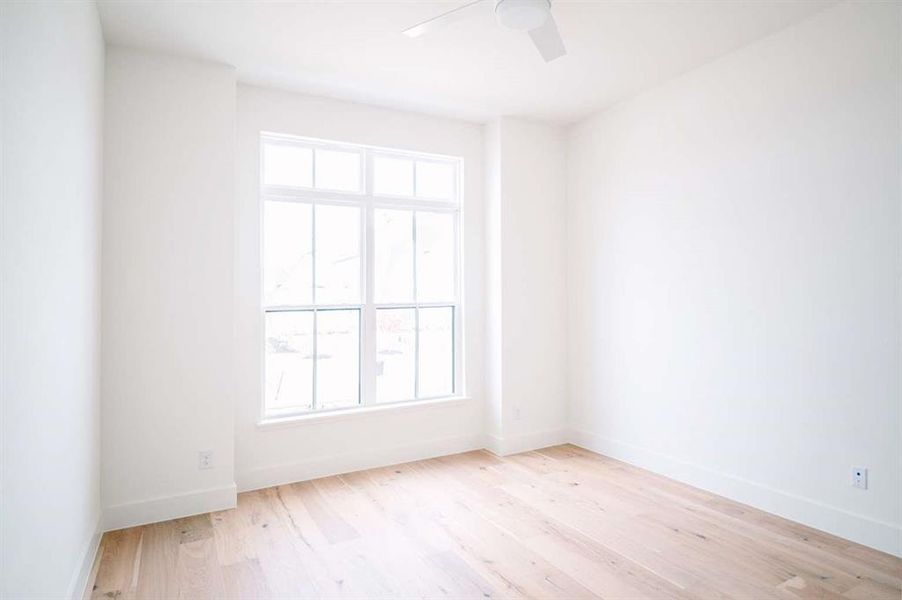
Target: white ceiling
(474,69)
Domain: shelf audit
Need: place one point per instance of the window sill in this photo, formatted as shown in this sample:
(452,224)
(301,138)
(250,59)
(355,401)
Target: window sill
(315,418)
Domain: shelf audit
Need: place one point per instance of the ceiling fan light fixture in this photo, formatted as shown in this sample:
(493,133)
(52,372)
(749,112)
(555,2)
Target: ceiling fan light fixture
(522,15)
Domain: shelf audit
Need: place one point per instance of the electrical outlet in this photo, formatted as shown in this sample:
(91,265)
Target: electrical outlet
(205,459)
(860,477)
(517,414)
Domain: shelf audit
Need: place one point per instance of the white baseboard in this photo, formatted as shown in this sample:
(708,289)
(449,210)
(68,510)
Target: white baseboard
(857,528)
(863,530)
(336,464)
(494,444)
(170,507)
(83,571)
(514,444)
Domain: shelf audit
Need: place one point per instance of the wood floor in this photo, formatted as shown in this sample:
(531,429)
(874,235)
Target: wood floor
(556,523)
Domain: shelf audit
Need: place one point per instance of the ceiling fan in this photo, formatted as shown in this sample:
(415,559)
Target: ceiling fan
(533,16)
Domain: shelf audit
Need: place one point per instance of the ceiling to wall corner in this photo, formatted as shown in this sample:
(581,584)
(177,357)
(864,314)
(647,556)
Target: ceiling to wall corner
(474,69)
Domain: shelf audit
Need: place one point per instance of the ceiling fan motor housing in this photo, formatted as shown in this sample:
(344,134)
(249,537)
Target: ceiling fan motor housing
(522,15)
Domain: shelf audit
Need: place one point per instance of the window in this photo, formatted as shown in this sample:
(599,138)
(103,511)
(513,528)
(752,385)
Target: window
(361,282)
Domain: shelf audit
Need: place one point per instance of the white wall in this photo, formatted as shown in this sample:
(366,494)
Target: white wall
(735,306)
(167,286)
(495,414)
(527,291)
(51,69)
(270,455)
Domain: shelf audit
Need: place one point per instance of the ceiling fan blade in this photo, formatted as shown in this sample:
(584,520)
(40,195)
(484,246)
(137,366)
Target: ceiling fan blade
(548,40)
(440,21)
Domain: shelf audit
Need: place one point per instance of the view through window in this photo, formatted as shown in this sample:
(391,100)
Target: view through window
(361,293)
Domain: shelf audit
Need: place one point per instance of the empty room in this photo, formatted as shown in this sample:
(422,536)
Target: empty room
(450,299)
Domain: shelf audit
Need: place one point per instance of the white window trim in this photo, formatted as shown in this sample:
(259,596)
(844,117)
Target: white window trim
(368,201)
(367,411)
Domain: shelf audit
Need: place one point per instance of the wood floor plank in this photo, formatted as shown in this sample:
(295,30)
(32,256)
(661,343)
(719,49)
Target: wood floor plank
(120,551)
(231,531)
(245,581)
(871,590)
(198,572)
(159,560)
(330,521)
(600,569)
(560,522)
(290,566)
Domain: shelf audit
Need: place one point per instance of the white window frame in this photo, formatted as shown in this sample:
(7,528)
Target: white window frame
(368,201)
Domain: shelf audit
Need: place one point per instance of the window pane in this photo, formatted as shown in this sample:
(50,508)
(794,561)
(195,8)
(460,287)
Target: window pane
(435,257)
(287,165)
(337,170)
(436,352)
(435,181)
(394,255)
(395,354)
(337,358)
(393,176)
(287,253)
(337,254)
(289,362)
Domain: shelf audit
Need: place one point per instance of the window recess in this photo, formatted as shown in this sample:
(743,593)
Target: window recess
(361,276)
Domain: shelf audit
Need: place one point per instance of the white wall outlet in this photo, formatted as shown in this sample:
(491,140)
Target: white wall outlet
(860,477)
(517,414)
(205,459)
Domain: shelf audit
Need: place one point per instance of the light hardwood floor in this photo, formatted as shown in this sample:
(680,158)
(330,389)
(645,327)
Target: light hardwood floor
(555,523)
